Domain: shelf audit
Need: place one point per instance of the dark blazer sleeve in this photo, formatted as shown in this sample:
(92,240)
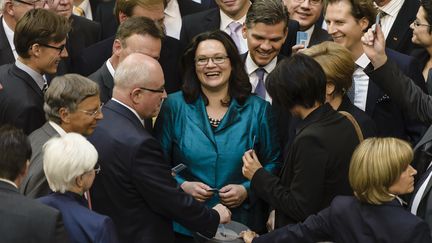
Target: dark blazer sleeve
(60,234)
(403,91)
(155,183)
(296,201)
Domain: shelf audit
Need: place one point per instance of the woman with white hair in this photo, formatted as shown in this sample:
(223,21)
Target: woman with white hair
(70,167)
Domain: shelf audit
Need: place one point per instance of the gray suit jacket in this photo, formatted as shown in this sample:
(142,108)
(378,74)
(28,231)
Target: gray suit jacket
(35,183)
(105,81)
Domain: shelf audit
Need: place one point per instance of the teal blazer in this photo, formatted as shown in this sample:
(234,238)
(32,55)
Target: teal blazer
(214,155)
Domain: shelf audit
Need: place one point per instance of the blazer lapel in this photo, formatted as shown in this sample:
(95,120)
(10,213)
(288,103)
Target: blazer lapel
(107,78)
(27,79)
(231,116)
(125,112)
(198,115)
(6,54)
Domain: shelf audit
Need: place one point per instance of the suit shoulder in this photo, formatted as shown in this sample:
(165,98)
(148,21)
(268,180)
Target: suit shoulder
(195,18)
(85,23)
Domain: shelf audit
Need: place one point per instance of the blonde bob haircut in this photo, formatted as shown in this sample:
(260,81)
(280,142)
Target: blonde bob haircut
(66,158)
(377,164)
(337,63)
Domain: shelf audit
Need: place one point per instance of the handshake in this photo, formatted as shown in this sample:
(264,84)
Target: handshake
(224,213)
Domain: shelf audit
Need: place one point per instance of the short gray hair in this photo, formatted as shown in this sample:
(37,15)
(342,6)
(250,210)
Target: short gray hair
(66,158)
(67,91)
(269,12)
(131,72)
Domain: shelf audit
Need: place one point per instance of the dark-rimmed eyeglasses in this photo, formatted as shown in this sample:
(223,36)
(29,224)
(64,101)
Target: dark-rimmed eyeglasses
(161,90)
(34,4)
(93,113)
(59,48)
(202,61)
(416,24)
(312,2)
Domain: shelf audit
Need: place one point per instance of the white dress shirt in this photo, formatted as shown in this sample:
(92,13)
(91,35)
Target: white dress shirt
(225,21)
(9,182)
(251,66)
(361,82)
(173,19)
(57,128)
(391,9)
(418,196)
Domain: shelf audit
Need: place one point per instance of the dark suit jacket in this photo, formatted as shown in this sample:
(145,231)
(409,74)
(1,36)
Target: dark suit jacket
(25,220)
(424,210)
(367,125)
(319,35)
(348,220)
(6,54)
(105,81)
(315,171)
(35,184)
(187,7)
(399,37)
(82,224)
(21,99)
(389,118)
(135,187)
(169,60)
(198,23)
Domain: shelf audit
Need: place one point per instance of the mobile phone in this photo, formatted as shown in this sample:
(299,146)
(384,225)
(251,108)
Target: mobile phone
(178,168)
(301,38)
(377,21)
(215,190)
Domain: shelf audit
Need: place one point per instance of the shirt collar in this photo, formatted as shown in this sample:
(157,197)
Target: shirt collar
(9,34)
(130,108)
(393,7)
(57,128)
(85,5)
(251,65)
(37,77)
(362,61)
(172,9)
(110,67)
(9,182)
(225,20)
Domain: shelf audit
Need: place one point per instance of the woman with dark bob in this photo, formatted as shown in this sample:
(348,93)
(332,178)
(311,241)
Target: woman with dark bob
(210,124)
(380,170)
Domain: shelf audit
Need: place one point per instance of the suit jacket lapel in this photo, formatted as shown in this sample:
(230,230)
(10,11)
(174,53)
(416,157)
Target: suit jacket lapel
(198,115)
(107,78)
(231,116)
(27,79)
(402,21)
(212,20)
(6,54)
(123,111)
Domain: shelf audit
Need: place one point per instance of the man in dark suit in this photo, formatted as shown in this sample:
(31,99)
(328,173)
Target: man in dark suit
(72,104)
(307,13)
(316,168)
(83,33)
(347,30)
(135,187)
(135,35)
(12,11)
(395,21)
(174,12)
(170,51)
(23,220)
(40,38)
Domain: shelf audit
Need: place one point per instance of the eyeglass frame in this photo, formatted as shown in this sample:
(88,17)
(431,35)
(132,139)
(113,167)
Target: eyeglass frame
(93,113)
(59,48)
(161,90)
(416,24)
(312,2)
(207,59)
(32,3)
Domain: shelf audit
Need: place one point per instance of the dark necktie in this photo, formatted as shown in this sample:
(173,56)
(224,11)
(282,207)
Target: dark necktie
(260,88)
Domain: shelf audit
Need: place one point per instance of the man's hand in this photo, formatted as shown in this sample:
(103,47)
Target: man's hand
(250,164)
(248,236)
(198,190)
(224,213)
(374,46)
(232,195)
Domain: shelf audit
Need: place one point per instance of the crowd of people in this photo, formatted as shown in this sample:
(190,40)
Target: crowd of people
(304,120)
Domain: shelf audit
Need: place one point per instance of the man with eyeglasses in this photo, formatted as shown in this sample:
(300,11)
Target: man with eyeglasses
(40,37)
(396,17)
(12,11)
(136,188)
(307,13)
(72,104)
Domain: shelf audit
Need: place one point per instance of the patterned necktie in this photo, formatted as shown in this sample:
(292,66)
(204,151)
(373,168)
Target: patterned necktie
(80,11)
(45,87)
(260,88)
(234,27)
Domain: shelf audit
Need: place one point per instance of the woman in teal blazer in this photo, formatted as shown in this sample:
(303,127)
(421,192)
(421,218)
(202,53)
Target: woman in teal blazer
(211,123)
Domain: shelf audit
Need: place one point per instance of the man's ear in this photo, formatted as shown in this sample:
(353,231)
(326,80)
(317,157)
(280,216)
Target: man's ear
(64,115)
(9,8)
(364,24)
(117,47)
(330,88)
(244,31)
(35,50)
(122,17)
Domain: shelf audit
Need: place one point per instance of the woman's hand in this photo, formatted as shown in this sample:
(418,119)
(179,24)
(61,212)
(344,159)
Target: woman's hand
(248,235)
(297,48)
(232,195)
(198,190)
(271,221)
(250,164)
